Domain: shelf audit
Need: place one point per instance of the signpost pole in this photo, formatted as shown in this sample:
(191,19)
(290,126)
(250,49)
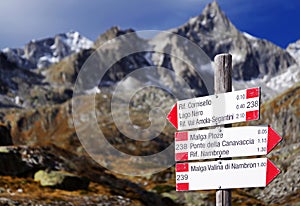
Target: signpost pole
(223,84)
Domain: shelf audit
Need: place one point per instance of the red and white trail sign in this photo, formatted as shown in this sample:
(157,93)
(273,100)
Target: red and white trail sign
(219,109)
(225,142)
(225,174)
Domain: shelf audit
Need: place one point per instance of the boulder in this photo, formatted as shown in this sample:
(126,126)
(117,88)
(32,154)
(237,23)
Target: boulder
(61,180)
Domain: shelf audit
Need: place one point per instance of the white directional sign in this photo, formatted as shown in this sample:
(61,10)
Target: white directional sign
(226,108)
(225,174)
(225,142)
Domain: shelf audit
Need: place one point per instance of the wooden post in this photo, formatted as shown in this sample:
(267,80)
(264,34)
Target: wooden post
(223,84)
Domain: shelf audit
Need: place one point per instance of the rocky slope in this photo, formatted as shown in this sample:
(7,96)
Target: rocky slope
(53,126)
(282,113)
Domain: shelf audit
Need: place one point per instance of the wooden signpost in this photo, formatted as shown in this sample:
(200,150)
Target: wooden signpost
(223,108)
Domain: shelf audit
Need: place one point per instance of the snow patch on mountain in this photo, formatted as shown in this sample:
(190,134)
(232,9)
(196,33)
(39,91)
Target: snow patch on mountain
(249,36)
(272,86)
(75,41)
(285,80)
(294,50)
(42,53)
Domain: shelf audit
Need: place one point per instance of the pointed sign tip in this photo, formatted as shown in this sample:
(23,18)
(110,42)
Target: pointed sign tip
(273,139)
(172,116)
(272,172)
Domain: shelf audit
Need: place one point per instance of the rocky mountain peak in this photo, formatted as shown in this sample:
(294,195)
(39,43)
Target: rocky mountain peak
(212,19)
(44,52)
(211,24)
(111,33)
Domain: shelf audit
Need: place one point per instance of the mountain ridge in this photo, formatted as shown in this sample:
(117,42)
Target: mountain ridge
(255,61)
(43,52)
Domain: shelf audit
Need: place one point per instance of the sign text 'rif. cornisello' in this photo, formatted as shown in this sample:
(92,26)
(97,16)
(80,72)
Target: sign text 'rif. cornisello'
(225,142)
(225,174)
(213,110)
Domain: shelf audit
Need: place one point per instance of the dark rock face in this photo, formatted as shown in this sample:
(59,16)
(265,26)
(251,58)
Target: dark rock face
(12,164)
(21,87)
(5,137)
(65,72)
(125,65)
(16,83)
(25,161)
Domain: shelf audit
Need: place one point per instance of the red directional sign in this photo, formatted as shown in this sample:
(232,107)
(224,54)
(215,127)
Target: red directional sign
(225,142)
(225,174)
(213,110)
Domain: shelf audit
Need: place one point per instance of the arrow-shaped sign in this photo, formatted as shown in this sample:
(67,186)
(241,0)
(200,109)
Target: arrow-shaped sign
(213,110)
(225,142)
(224,174)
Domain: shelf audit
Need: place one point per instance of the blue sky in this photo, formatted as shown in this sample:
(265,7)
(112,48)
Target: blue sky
(23,20)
